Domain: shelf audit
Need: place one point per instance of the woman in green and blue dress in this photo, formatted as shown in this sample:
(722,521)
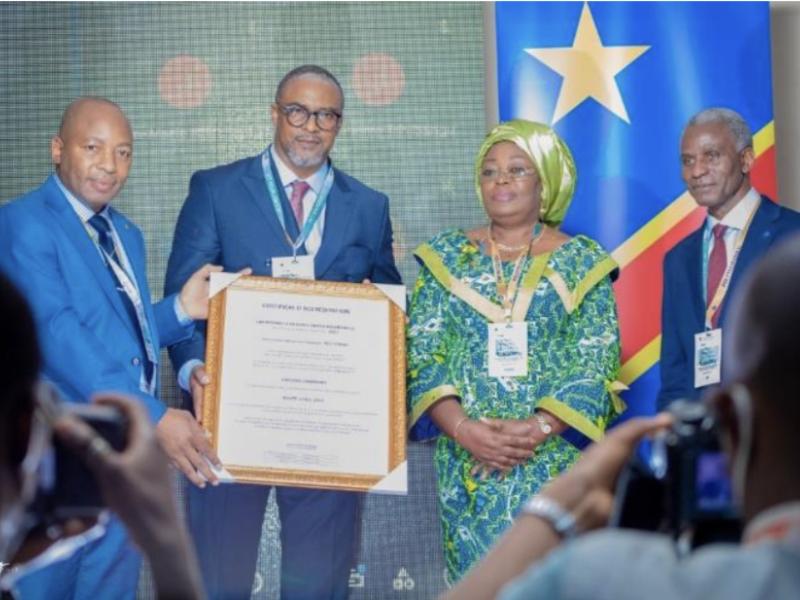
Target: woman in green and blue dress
(513,342)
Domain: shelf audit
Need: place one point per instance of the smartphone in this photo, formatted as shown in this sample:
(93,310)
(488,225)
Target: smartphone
(68,488)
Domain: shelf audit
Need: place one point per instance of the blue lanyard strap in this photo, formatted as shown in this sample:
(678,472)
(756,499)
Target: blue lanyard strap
(316,211)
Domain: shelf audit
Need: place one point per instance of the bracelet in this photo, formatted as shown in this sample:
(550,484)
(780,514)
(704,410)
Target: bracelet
(459,424)
(562,521)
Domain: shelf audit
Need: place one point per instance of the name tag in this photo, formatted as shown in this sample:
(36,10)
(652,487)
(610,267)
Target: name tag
(293,267)
(707,357)
(508,349)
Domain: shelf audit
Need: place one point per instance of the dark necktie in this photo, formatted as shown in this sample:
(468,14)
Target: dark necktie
(106,241)
(717,262)
(299,189)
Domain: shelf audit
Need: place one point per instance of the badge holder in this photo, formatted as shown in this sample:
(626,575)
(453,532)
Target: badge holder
(707,357)
(508,349)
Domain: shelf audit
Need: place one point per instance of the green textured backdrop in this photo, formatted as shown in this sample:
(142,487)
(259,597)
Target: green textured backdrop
(417,148)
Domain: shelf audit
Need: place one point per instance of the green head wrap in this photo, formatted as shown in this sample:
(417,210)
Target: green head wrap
(549,154)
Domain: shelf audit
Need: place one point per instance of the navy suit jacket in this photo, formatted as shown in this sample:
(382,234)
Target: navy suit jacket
(87,339)
(683,307)
(228,219)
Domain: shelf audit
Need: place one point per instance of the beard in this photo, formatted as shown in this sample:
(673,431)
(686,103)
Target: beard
(306,159)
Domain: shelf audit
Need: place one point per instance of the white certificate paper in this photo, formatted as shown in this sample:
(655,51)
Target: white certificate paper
(305,386)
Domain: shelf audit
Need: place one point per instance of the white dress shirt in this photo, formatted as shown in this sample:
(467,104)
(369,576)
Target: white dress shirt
(735,221)
(316,181)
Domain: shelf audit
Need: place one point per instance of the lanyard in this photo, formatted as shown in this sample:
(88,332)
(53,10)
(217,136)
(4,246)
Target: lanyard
(507,292)
(130,289)
(725,282)
(316,211)
(132,292)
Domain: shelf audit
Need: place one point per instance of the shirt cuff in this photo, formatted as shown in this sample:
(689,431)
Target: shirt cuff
(183,318)
(185,373)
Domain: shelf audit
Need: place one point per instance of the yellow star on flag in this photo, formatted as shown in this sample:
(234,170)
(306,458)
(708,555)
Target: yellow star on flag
(588,68)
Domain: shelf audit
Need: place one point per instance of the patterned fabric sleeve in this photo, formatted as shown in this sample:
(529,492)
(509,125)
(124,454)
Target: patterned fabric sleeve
(582,390)
(428,372)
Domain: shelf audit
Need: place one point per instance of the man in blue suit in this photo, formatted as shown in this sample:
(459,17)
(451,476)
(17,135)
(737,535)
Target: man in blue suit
(81,265)
(702,270)
(287,201)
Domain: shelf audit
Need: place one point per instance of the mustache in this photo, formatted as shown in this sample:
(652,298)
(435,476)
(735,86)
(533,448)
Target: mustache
(308,138)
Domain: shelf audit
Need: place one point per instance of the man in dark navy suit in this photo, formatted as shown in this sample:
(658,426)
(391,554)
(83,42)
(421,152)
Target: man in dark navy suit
(701,271)
(288,201)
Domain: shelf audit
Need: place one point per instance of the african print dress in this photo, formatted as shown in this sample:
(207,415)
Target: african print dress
(573,358)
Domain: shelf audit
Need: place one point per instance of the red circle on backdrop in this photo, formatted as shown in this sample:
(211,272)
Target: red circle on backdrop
(378,79)
(184,82)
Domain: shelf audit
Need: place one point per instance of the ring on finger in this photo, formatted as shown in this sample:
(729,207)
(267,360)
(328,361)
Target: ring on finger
(98,447)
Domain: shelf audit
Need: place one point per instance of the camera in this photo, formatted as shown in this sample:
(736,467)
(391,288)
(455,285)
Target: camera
(67,488)
(685,489)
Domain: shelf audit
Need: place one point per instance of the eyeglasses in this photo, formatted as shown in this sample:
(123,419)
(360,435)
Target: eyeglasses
(513,174)
(298,115)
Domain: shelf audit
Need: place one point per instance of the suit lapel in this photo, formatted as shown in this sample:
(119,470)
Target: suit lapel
(338,217)
(130,244)
(338,213)
(694,274)
(758,240)
(69,221)
(136,258)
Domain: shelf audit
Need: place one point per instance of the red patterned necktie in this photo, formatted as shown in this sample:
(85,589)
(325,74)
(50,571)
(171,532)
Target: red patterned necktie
(299,189)
(717,262)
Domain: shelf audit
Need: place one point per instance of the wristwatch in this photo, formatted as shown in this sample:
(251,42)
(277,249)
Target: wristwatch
(551,511)
(546,428)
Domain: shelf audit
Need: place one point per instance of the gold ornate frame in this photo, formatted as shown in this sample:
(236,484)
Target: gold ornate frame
(396,355)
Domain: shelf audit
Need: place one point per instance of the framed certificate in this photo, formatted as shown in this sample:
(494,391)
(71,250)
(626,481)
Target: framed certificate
(307,383)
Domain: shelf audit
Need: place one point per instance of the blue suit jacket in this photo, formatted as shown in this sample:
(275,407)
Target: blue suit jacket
(87,338)
(228,220)
(683,307)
